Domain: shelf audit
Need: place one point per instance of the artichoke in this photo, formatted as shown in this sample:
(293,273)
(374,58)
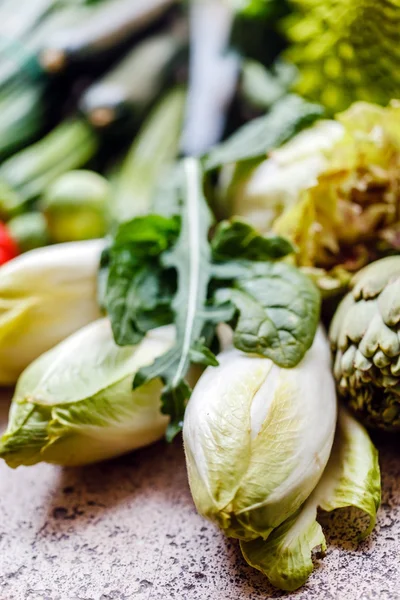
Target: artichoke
(365,335)
(345,50)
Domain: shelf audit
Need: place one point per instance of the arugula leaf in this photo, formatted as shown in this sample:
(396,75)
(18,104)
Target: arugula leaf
(278,311)
(168,269)
(139,291)
(237,239)
(191,258)
(261,135)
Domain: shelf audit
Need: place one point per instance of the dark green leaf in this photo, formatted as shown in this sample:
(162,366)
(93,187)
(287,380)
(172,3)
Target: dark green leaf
(201,355)
(237,239)
(191,259)
(138,297)
(278,310)
(148,235)
(139,291)
(263,134)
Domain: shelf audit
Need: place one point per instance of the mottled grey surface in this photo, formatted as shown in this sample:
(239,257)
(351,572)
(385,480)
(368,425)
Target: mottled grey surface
(128,530)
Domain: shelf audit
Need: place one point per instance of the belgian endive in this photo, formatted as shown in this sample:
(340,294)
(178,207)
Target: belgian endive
(75,405)
(257,441)
(45,295)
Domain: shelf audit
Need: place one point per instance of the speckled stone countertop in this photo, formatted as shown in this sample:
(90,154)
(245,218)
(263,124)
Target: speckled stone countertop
(128,530)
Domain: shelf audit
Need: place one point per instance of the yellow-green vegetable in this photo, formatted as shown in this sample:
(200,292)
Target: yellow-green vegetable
(76,206)
(258,437)
(333,190)
(29,231)
(75,404)
(45,295)
(258,442)
(365,335)
(346,50)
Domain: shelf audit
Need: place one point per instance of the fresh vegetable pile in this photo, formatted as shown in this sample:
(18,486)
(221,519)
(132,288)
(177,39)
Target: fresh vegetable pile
(177,236)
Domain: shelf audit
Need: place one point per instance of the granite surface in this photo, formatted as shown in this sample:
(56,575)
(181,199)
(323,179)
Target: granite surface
(128,530)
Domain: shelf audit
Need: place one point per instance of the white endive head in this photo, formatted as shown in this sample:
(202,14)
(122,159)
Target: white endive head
(75,404)
(45,295)
(258,437)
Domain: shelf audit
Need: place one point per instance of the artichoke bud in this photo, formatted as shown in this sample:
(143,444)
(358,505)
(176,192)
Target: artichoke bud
(257,438)
(365,335)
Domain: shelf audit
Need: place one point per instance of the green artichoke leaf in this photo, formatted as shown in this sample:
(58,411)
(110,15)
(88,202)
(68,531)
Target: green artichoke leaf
(278,311)
(364,335)
(351,478)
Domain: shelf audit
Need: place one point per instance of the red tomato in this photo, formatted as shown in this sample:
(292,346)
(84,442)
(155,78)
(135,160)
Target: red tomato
(8,247)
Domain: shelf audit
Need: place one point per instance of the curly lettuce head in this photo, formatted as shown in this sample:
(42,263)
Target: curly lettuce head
(334,190)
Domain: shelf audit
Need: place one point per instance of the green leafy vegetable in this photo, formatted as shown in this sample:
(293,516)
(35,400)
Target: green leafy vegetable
(237,239)
(345,51)
(257,438)
(351,478)
(45,295)
(332,190)
(278,312)
(261,88)
(74,405)
(137,290)
(177,269)
(261,135)
(191,258)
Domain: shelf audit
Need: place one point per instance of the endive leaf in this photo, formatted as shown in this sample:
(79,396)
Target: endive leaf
(351,478)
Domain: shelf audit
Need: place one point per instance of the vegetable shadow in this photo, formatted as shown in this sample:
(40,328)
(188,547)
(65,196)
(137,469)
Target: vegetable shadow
(342,527)
(5,395)
(84,496)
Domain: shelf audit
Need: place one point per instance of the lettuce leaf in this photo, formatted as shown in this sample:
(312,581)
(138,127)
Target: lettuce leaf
(351,478)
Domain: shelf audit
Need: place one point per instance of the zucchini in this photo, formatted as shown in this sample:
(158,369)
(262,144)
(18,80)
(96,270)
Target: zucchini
(154,150)
(133,85)
(25,176)
(213,75)
(22,113)
(109,24)
(19,61)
